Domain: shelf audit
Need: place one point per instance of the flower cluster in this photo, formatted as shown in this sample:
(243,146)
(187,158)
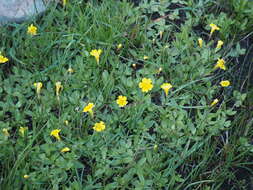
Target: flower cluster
(220,64)
(58,88)
(146,84)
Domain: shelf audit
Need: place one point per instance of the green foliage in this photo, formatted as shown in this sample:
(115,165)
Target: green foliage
(154,142)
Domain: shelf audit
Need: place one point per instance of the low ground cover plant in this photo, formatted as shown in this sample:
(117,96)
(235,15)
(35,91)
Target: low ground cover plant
(105,95)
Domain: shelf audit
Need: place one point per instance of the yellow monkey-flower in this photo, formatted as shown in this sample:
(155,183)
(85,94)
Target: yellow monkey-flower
(166,87)
(146,85)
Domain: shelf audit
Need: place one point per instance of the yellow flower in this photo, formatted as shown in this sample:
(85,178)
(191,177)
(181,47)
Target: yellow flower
(22,130)
(122,101)
(224,83)
(220,64)
(145,57)
(119,46)
(214,27)
(70,70)
(64,2)
(58,88)
(145,85)
(215,101)
(99,126)
(26,176)
(89,108)
(55,133)
(200,42)
(3,59)
(161,34)
(38,86)
(134,65)
(219,44)
(96,53)
(66,122)
(6,133)
(32,30)
(66,149)
(159,70)
(166,87)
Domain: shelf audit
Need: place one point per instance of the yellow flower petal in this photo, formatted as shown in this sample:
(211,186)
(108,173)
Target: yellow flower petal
(161,34)
(220,64)
(219,44)
(88,108)
(119,46)
(3,59)
(145,57)
(96,53)
(146,85)
(200,41)
(58,88)
(166,87)
(26,176)
(66,122)
(64,2)
(214,27)
(122,101)
(38,86)
(32,30)
(55,133)
(224,83)
(159,70)
(6,132)
(70,70)
(66,149)
(22,130)
(215,101)
(99,126)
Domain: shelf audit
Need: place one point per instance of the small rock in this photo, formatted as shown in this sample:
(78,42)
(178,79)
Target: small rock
(20,10)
